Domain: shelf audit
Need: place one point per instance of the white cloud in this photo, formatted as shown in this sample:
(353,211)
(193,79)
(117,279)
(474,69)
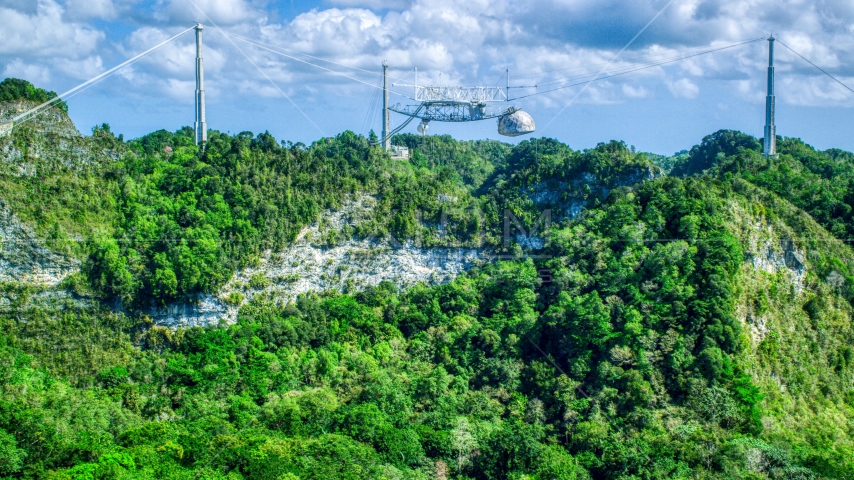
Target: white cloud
(173,59)
(222,12)
(635,92)
(86,9)
(35,74)
(82,69)
(372,4)
(807,46)
(44,33)
(333,32)
(262,89)
(822,92)
(180,89)
(683,88)
(28,7)
(550,43)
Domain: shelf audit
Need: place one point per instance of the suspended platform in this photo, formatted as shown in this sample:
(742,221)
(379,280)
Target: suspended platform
(464,104)
(449,111)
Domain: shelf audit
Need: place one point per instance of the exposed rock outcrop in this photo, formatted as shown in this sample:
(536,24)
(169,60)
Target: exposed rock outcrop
(49,120)
(567,198)
(775,255)
(308,265)
(198,312)
(25,259)
(58,141)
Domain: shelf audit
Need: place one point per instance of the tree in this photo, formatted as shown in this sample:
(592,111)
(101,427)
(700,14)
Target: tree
(464,443)
(11,457)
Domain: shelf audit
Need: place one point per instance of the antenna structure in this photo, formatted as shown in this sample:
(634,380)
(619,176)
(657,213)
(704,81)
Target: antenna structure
(201,127)
(770,141)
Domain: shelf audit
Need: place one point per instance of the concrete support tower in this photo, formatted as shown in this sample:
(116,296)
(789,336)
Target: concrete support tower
(386,127)
(201,127)
(770,144)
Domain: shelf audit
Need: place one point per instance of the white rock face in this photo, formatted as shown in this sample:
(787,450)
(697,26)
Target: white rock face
(564,196)
(203,311)
(772,254)
(306,266)
(58,141)
(758,327)
(768,250)
(23,257)
(48,120)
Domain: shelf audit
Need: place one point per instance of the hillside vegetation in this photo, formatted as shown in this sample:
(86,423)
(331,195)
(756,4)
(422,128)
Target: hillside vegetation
(693,325)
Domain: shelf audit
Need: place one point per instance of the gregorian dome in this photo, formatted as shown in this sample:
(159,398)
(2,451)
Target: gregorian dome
(516,122)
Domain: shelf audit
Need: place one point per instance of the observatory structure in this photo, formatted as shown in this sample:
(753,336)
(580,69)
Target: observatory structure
(456,104)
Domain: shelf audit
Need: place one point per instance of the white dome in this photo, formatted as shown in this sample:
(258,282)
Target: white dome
(516,123)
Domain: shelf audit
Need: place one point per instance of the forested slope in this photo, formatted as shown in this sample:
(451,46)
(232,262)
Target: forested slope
(687,326)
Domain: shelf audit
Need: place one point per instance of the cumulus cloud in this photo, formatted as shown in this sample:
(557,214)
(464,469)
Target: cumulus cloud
(547,42)
(87,9)
(82,69)
(173,59)
(222,12)
(333,32)
(683,88)
(553,44)
(635,92)
(372,4)
(44,33)
(28,7)
(17,68)
(821,92)
(180,89)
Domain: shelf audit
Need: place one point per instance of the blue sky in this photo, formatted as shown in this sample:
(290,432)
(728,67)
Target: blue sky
(57,44)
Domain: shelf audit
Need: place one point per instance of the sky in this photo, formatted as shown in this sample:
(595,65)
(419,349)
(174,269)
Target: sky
(59,44)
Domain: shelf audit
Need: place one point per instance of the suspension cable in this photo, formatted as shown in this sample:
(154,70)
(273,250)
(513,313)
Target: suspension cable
(264,47)
(95,80)
(258,42)
(627,45)
(270,45)
(374,96)
(400,127)
(648,59)
(262,72)
(636,65)
(644,67)
(814,65)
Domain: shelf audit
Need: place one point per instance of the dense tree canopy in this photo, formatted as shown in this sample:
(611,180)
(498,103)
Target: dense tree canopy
(12,89)
(620,351)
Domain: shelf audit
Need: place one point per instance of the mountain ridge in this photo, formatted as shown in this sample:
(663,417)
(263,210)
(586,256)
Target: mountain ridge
(693,325)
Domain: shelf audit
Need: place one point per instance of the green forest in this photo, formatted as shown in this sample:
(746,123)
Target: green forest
(640,342)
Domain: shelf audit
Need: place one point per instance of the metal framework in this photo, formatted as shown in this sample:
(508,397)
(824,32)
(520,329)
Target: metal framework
(453,104)
(446,111)
(460,94)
